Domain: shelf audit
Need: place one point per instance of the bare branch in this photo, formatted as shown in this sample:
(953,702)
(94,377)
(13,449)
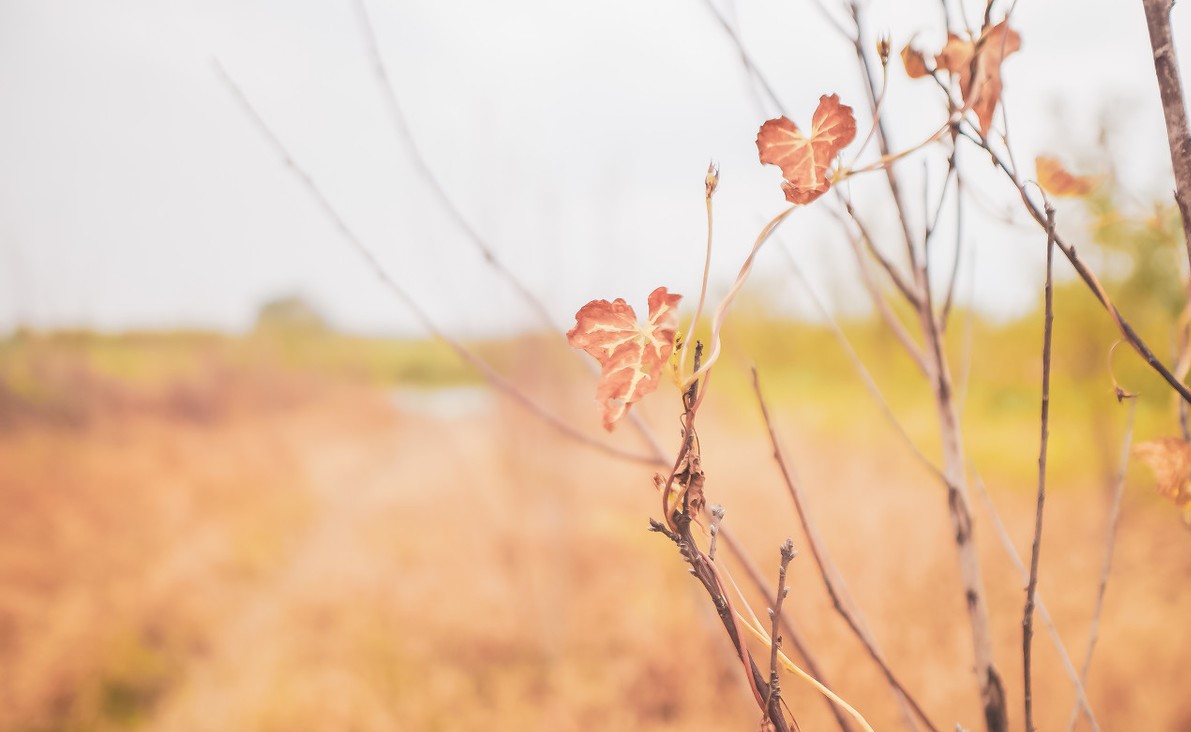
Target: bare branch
(774,697)
(401,125)
(1027,623)
(789,630)
(834,582)
(1084,272)
(1056,640)
(496,379)
(865,376)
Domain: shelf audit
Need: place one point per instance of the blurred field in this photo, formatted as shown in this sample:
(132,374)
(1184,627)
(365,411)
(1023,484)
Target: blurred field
(310,531)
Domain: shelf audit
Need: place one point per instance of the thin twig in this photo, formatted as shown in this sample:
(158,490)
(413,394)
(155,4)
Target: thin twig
(945,314)
(1053,631)
(1083,271)
(401,125)
(1027,623)
(773,699)
(866,377)
(789,630)
(704,570)
(907,289)
(832,580)
(496,379)
(1110,537)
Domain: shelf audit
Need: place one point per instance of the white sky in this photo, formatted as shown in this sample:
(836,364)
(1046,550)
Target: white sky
(134,193)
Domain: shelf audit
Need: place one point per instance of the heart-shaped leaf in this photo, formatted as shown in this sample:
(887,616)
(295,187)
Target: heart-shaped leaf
(631,357)
(805,160)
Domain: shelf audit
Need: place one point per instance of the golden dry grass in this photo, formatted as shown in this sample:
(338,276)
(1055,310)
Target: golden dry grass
(310,556)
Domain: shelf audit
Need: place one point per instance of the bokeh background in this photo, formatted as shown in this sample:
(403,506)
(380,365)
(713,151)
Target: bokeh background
(245,487)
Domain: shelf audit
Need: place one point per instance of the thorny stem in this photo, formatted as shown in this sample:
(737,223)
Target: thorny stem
(1110,536)
(1047,330)
(832,579)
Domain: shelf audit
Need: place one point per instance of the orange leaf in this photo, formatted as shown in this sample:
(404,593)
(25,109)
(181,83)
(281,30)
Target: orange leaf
(631,357)
(914,62)
(1170,459)
(1055,179)
(805,161)
(980,79)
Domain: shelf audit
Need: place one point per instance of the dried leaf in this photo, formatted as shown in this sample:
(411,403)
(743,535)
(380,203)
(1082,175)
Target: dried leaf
(978,66)
(914,62)
(1055,179)
(805,161)
(631,357)
(1170,459)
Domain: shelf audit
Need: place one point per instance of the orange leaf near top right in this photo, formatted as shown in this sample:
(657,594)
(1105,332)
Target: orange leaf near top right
(1057,181)
(976,63)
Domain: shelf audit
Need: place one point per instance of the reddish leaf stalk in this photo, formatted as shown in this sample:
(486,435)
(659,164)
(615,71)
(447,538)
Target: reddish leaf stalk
(1027,623)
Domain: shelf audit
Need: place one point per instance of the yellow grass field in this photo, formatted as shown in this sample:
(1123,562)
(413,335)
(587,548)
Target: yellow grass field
(242,547)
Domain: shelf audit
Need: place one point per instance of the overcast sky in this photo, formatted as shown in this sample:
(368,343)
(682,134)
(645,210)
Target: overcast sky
(135,193)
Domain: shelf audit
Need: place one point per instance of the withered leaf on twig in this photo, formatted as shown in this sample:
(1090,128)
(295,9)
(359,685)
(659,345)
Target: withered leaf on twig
(805,160)
(1057,181)
(631,357)
(977,64)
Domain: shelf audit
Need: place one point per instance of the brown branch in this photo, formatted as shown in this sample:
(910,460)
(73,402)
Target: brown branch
(703,569)
(774,698)
(834,582)
(1084,273)
(1174,109)
(789,630)
(1027,622)
(1110,536)
(493,377)
(1174,106)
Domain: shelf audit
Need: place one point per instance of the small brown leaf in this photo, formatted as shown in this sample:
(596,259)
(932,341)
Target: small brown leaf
(1170,460)
(1055,179)
(805,161)
(631,357)
(978,66)
(914,62)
